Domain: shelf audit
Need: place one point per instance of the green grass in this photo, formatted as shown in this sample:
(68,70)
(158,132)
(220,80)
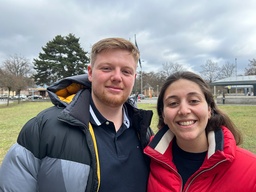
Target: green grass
(244,119)
(12,119)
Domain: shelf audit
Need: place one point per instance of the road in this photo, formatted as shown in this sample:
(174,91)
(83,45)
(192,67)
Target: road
(148,100)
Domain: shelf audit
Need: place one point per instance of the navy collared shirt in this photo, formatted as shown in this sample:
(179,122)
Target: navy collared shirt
(122,165)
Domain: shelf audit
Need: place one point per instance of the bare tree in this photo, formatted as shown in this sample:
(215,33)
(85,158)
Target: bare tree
(251,70)
(210,71)
(154,79)
(227,70)
(18,66)
(7,80)
(170,67)
(16,73)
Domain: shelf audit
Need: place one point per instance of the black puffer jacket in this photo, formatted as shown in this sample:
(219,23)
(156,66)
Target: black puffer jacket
(55,151)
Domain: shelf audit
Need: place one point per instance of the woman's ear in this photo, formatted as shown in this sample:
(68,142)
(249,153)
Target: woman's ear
(210,112)
(163,117)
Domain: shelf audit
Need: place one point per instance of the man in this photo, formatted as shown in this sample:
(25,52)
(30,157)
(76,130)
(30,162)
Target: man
(92,139)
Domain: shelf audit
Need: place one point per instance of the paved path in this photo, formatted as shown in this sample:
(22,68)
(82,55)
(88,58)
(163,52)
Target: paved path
(148,100)
(4,101)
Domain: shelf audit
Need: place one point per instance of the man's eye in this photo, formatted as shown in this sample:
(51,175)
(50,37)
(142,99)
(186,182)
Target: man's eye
(106,68)
(127,72)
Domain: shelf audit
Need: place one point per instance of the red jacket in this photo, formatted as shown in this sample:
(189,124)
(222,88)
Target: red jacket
(226,167)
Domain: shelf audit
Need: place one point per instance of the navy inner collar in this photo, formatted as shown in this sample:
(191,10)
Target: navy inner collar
(97,119)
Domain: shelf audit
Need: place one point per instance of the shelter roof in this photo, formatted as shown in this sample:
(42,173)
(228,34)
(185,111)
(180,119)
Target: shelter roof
(237,80)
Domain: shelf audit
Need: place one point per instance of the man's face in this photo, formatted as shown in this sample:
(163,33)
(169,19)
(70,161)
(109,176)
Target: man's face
(112,76)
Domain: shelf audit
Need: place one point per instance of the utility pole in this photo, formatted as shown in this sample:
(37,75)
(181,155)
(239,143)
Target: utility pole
(236,65)
(141,81)
(236,73)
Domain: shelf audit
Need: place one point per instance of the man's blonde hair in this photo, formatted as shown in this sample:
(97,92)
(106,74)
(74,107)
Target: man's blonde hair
(114,43)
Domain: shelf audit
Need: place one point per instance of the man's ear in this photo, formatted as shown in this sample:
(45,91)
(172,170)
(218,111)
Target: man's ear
(89,69)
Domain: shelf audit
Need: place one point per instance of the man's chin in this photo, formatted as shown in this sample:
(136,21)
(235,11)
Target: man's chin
(115,101)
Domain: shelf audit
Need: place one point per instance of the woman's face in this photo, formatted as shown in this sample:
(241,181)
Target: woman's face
(186,112)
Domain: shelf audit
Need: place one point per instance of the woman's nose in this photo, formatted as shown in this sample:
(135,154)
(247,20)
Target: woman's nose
(184,109)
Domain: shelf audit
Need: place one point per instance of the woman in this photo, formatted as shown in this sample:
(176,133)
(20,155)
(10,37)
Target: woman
(196,146)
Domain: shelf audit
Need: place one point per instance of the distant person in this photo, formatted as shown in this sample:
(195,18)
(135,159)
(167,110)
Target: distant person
(92,139)
(196,148)
(223,98)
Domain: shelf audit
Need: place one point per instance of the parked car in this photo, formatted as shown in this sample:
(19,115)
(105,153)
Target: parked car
(35,97)
(3,96)
(141,96)
(23,97)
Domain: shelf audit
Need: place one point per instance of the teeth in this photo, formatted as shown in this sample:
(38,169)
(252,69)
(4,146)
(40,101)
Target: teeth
(185,123)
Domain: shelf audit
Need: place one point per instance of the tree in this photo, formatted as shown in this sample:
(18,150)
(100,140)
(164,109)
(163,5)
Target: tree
(227,70)
(210,71)
(15,74)
(150,78)
(251,70)
(154,79)
(61,57)
(18,66)
(7,80)
(170,67)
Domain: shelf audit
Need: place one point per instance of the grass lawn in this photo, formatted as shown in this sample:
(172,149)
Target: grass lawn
(12,119)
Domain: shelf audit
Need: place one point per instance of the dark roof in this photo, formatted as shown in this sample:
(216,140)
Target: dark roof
(238,80)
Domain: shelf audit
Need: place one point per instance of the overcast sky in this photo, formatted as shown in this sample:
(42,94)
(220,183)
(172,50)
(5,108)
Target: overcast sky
(188,32)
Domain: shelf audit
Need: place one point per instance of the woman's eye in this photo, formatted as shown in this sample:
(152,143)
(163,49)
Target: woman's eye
(172,104)
(194,101)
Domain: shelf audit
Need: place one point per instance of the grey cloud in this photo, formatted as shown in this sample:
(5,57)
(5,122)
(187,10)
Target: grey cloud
(186,32)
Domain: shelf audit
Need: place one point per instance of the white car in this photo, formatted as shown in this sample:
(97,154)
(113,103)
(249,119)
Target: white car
(23,97)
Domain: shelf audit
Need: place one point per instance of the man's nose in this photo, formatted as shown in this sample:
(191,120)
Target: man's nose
(116,75)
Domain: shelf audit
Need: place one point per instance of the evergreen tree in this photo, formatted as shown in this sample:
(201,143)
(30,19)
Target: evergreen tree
(61,57)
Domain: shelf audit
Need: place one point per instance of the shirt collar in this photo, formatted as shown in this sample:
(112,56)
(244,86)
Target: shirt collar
(97,119)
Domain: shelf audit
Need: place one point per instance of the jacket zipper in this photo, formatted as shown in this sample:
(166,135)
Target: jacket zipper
(186,190)
(200,173)
(169,167)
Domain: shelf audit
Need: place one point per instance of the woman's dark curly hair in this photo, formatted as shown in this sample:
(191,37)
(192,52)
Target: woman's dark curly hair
(218,118)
